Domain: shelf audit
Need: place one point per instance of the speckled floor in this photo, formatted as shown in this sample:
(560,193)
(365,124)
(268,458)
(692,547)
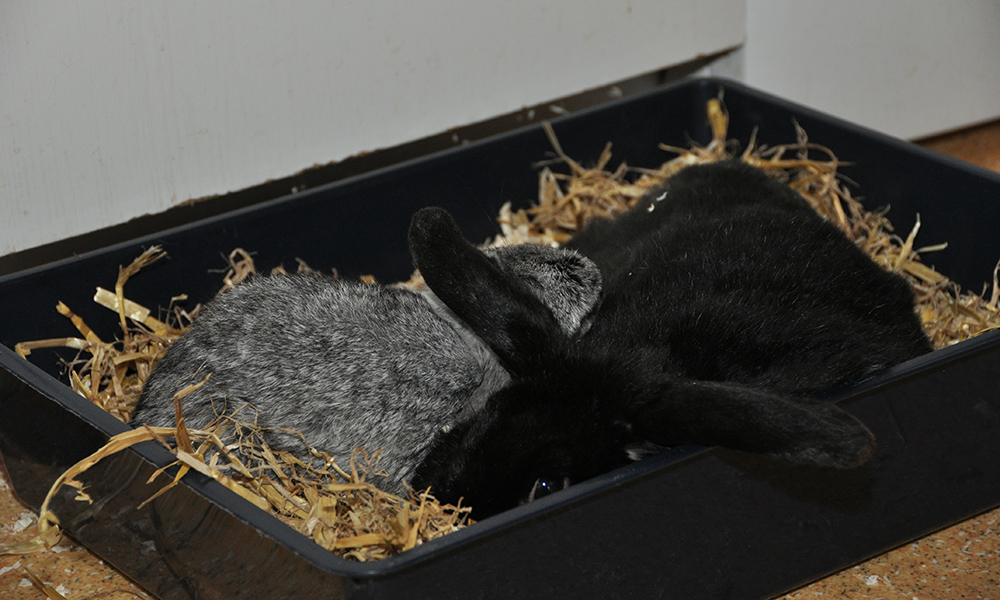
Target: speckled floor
(960,562)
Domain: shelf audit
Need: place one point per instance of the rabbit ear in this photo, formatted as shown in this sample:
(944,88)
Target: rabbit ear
(737,417)
(567,282)
(500,308)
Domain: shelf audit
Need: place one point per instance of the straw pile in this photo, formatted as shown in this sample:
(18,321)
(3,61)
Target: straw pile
(113,375)
(338,508)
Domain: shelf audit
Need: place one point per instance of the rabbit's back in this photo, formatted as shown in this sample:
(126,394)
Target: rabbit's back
(347,364)
(731,276)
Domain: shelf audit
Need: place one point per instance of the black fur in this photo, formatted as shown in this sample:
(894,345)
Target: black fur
(727,303)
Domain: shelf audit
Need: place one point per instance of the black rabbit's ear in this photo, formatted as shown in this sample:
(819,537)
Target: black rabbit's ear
(501,309)
(737,417)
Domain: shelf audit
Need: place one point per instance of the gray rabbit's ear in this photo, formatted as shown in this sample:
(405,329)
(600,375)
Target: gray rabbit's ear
(502,309)
(734,416)
(566,281)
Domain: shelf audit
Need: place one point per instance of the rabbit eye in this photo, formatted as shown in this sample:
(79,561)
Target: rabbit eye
(543,487)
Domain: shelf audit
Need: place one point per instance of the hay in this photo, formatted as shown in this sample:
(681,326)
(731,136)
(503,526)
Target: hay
(340,509)
(49,591)
(114,373)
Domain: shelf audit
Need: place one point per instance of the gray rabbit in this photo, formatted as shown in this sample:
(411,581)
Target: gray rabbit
(350,364)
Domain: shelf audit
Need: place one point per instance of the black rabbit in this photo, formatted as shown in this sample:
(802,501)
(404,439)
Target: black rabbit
(727,303)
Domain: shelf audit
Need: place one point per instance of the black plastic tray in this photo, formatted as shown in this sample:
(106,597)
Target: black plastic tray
(688,523)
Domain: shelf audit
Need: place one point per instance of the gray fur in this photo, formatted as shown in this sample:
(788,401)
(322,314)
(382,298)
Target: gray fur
(564,280)
(350,364)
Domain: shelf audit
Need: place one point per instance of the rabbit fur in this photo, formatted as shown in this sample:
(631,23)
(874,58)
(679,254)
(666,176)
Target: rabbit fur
(350,364)
(727,304)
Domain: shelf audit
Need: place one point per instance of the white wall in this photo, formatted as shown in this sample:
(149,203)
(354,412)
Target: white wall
(115,109)
(909,68)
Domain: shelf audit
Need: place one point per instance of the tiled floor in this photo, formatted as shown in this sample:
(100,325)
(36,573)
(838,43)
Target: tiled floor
(962,561)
